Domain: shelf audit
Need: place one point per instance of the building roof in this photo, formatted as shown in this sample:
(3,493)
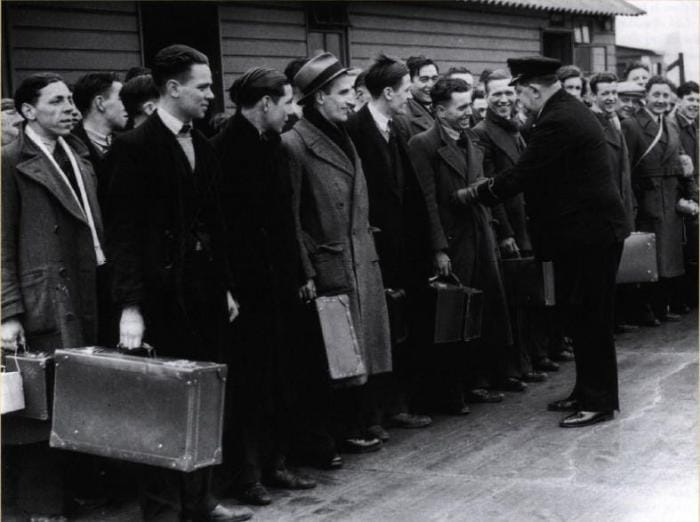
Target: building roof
(589,7)
(637,50)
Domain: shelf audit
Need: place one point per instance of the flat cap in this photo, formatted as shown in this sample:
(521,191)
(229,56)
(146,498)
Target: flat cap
(630,89)
(531,67)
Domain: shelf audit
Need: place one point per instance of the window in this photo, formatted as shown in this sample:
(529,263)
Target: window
(327,30)
(582,33)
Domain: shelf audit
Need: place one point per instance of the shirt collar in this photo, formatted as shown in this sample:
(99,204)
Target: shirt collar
(452,133)
(683,120)
(653,116)
(171,122)
(380,120)
(101,141)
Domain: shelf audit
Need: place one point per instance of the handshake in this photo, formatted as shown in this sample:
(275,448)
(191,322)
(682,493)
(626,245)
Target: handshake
(470,194)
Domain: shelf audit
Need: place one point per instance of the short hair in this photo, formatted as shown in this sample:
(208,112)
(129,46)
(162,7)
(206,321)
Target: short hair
(91,85)
(174,61)
(444,87)
(138,91)
(568,71)
(458,70)
(656,80)
(478,94)
(255,83)
(635,65)
(292,68)
(360,80)
(8,104)
(136,71)
(28,90)
(603,77)
(485,74)
(386,71)
(498,74)
(687,88)
(416,63)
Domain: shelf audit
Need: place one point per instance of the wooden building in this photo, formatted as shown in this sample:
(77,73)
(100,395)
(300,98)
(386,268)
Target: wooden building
(72,38)
(628,55)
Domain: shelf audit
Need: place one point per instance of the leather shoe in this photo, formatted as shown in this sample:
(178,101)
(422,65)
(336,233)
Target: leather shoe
(670,318)
(285,479)
(410,421)
(377,432)
(228,513)
(484,396)
(586,418)
(545,364)
(361,445)
(563,405)
(563,356)
(254,494)
(534,377)
(512,384)
(623,328)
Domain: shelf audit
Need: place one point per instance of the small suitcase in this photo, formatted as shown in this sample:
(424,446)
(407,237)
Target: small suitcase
(457,310)
(398,320)
(158,411)
(339,338)
(638,263)
(37,379)
(528,282)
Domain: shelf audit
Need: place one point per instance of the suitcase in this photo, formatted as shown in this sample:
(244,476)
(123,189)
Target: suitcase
(638,263)
(158,411)
(528,282)
(398,320)
(11,392)
(37,370)
(339,338)
(456,309)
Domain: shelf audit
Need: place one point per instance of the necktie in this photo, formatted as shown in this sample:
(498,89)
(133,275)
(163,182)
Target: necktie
(390,131)
(64,163)
(184,138)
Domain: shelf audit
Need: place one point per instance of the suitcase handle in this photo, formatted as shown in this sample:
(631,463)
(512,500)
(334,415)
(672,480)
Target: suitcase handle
(452,278)
(145,350)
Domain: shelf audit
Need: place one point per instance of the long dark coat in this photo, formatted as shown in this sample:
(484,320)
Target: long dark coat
(165,237)
(689,140)
(337,247)
(658,183)
(500,150)
(48,259)
(416,120)
(471,243)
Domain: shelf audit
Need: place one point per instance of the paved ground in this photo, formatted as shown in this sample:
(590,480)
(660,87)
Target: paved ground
(510,462)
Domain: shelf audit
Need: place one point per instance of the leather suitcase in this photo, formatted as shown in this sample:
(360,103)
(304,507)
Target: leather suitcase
(638,263)
(157,411)
(457,310)
(37,379)
(528,282)
(398,320)
(339,338)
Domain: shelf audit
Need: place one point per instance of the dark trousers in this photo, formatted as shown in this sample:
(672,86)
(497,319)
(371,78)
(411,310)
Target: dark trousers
(586,283)
(531,327)
(167,495)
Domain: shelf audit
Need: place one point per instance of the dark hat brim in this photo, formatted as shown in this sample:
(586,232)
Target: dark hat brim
(516,79)
(325,81)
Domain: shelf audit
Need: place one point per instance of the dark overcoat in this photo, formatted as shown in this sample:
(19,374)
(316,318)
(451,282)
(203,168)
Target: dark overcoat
(417,119)
(337,247)
(689,140)
(501,151)
(471,242)
(49,265)
(658,183)
(166,241)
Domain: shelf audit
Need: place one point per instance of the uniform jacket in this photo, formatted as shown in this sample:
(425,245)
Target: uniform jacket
(567,180)
(416,120)
(658,183)
(337,247)
(471,243)
(166,240)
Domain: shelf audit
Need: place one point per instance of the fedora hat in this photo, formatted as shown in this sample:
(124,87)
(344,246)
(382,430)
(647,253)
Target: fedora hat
(316,73)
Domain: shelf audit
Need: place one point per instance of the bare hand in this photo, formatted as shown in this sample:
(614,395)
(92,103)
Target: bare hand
(131,328)
(687,164)
(307,293)
(442,264)
(12,334)
(233,307)
(509,247)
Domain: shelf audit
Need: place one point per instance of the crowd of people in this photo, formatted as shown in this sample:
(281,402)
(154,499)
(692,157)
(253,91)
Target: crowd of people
(127,220)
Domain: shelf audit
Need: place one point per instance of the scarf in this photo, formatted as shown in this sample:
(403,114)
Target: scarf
(336,134)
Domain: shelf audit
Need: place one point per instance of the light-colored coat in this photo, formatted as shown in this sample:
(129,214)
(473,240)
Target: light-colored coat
(337,247)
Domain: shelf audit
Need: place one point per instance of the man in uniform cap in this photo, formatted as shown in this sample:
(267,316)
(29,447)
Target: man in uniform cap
(629,98)
(577,220)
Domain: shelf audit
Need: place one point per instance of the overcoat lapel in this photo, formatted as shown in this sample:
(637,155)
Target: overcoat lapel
(379,146)
(323,147)
(451,154)
(503,140)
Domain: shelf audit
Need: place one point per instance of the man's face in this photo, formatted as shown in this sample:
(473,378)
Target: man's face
(605,97)
(501,97)
(11,123)
(529,97)
(639,76)
(52,114)
(688,105)
(479,108)
(277,113)
(574,86)
(627,105)
(468,78)
(659,98)
(362,96)
(456,112)
(113,107)
(194,94)
(337,103)
(398,104)
(422,83)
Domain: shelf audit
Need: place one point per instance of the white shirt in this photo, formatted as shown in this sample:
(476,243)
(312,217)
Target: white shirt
(175,126)
(381,121)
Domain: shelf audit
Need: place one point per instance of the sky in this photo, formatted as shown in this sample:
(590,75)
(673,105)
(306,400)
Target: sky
(669,27)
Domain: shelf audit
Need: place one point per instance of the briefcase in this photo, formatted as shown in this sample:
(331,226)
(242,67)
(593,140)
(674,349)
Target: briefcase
(398,320)
(528,282)
(158,411)
(638,263)
(37,380)
(339,337)
(456,309)
(11,392)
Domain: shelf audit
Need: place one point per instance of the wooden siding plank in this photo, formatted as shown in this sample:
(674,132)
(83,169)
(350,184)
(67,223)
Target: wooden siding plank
(123,7)
(35,38)
(235,65)
(441,54)
(56,19)
(274,48)
(281,14)
(79,60)
(259,30)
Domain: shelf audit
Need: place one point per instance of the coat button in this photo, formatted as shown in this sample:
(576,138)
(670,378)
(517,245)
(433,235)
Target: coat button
(63,272)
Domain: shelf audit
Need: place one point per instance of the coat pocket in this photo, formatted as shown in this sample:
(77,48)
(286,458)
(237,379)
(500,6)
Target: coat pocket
(39,305)
(331,275)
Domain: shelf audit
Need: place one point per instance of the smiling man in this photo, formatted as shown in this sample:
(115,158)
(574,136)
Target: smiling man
(419,116)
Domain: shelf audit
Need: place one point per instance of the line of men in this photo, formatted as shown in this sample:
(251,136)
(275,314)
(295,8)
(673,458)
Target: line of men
(215,249)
